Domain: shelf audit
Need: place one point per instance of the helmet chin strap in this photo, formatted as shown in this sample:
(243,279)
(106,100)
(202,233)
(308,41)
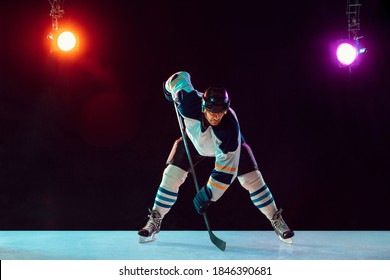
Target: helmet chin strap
(205,123)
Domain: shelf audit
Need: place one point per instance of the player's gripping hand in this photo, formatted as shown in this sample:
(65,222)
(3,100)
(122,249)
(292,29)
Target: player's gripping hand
(202,200)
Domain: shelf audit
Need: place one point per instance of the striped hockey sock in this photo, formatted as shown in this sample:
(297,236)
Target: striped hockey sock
(264,201)
(164,200)
(259,193)
(167,193)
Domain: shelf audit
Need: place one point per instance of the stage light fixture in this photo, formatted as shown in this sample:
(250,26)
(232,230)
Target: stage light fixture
(348,51)
(66,41)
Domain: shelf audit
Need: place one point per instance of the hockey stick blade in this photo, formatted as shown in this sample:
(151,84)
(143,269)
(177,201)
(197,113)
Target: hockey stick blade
(286,240)
(221,245)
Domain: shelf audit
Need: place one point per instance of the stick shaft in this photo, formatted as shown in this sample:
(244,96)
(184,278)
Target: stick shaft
(183,135)
(218,242)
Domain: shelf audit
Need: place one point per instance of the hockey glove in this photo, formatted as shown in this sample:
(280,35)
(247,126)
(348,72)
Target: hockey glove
(202,200)
(167,94)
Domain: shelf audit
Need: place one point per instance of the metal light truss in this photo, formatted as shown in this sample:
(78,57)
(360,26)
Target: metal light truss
(56,12)
(353,14)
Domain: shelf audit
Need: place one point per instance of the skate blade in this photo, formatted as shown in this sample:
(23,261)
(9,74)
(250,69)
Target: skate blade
(143,239)
(287,240)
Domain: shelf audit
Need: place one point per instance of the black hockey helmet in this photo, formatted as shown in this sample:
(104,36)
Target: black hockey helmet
(215,100)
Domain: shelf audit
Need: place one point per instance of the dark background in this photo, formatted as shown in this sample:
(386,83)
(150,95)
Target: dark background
(83,141)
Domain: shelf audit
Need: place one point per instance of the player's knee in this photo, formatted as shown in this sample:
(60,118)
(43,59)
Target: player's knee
(251,181)
(173,177)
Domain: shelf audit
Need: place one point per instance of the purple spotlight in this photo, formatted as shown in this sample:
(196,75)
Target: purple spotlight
(346,53)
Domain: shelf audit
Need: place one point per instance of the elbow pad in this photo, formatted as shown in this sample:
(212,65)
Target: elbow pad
(167,94)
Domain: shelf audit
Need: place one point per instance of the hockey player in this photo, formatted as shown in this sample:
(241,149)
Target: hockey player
(213,130)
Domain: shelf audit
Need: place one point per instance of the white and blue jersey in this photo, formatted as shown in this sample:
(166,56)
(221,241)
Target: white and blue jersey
(222,141)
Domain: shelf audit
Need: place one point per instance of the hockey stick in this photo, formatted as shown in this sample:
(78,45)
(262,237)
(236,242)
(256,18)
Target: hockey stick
(217,242)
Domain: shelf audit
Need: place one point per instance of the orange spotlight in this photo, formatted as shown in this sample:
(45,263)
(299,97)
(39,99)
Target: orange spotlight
(66,41)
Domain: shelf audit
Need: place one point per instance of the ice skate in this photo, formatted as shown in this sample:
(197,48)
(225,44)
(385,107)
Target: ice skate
(152,227)
(281,229)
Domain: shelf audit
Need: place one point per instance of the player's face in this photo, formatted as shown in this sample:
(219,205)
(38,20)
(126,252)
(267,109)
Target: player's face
(213,118)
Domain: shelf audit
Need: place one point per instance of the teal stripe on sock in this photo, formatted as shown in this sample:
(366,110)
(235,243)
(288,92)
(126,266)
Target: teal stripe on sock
(165,198)
(261,197)
(161,189)
(162,204)
(263,188)
(265,203)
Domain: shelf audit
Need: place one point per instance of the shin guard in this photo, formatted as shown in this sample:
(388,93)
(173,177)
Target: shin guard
(173,178)
(259,193)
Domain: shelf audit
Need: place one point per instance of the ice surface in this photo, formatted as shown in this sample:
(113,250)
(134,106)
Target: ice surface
(188,245)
